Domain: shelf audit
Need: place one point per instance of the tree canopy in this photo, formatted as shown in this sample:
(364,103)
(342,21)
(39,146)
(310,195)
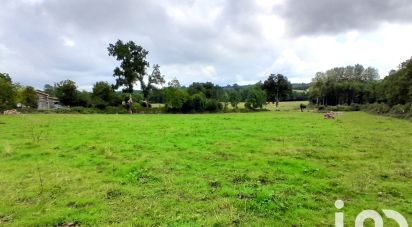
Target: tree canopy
(133,68)
(345,85)
(277,87)
(133,64)
(7,92)
(66,92)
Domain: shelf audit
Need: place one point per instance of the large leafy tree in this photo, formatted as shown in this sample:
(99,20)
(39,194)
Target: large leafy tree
(66,92)
(8,92)
(174,95)
(277,87)
(234,98)
(256,98)
(133,64)
(175,98)
(29,97)
(133,67)
(103,94)
(398,85)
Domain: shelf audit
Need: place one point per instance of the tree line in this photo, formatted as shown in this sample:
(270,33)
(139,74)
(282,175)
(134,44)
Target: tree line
(359,85)
(13,93)
(136,88)
(137,85)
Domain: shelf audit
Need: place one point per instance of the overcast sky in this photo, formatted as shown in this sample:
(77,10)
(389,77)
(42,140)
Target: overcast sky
(226,42)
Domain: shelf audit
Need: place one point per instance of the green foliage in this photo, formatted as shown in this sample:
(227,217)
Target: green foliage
(345,85)
(133,68)
(225,100)
(380,108)
(133,64)
(234,98)
(136,107)
(115,110)
(199,102)
(67,93)
(29,97)
(213,106)
(210,90)
(256,98)
(354,84)
(398,110)
(353,107)
(297,95)
(277,87)
(8,92)
(103,95)
(175,98)
(82,110)
(84,99)
(398,85)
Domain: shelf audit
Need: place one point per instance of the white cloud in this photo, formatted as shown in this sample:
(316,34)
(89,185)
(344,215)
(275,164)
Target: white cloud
(68,42)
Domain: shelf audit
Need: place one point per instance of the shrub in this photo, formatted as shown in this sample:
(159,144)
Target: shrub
(213,105)
(199,102)
(355,107)
(256,98)
(399,109)
(187,106)
(99,103)
(84,110)
(175,98)
(408,107)
(136,107)
(378,108)
(382,108)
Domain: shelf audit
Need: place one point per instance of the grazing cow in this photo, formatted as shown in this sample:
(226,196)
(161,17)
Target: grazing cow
(302,107)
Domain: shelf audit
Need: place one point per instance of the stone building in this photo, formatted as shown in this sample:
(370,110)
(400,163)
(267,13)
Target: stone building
(47,102)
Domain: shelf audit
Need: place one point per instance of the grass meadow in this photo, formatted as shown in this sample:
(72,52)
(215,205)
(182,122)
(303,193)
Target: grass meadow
(282,168)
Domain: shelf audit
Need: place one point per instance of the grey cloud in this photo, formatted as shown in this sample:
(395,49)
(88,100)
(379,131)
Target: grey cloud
(233,42)
(311,17)
(36,36)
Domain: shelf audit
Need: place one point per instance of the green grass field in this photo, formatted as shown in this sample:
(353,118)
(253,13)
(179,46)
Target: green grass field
(271,168)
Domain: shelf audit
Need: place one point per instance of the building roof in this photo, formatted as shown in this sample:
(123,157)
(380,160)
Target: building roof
(45,94)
